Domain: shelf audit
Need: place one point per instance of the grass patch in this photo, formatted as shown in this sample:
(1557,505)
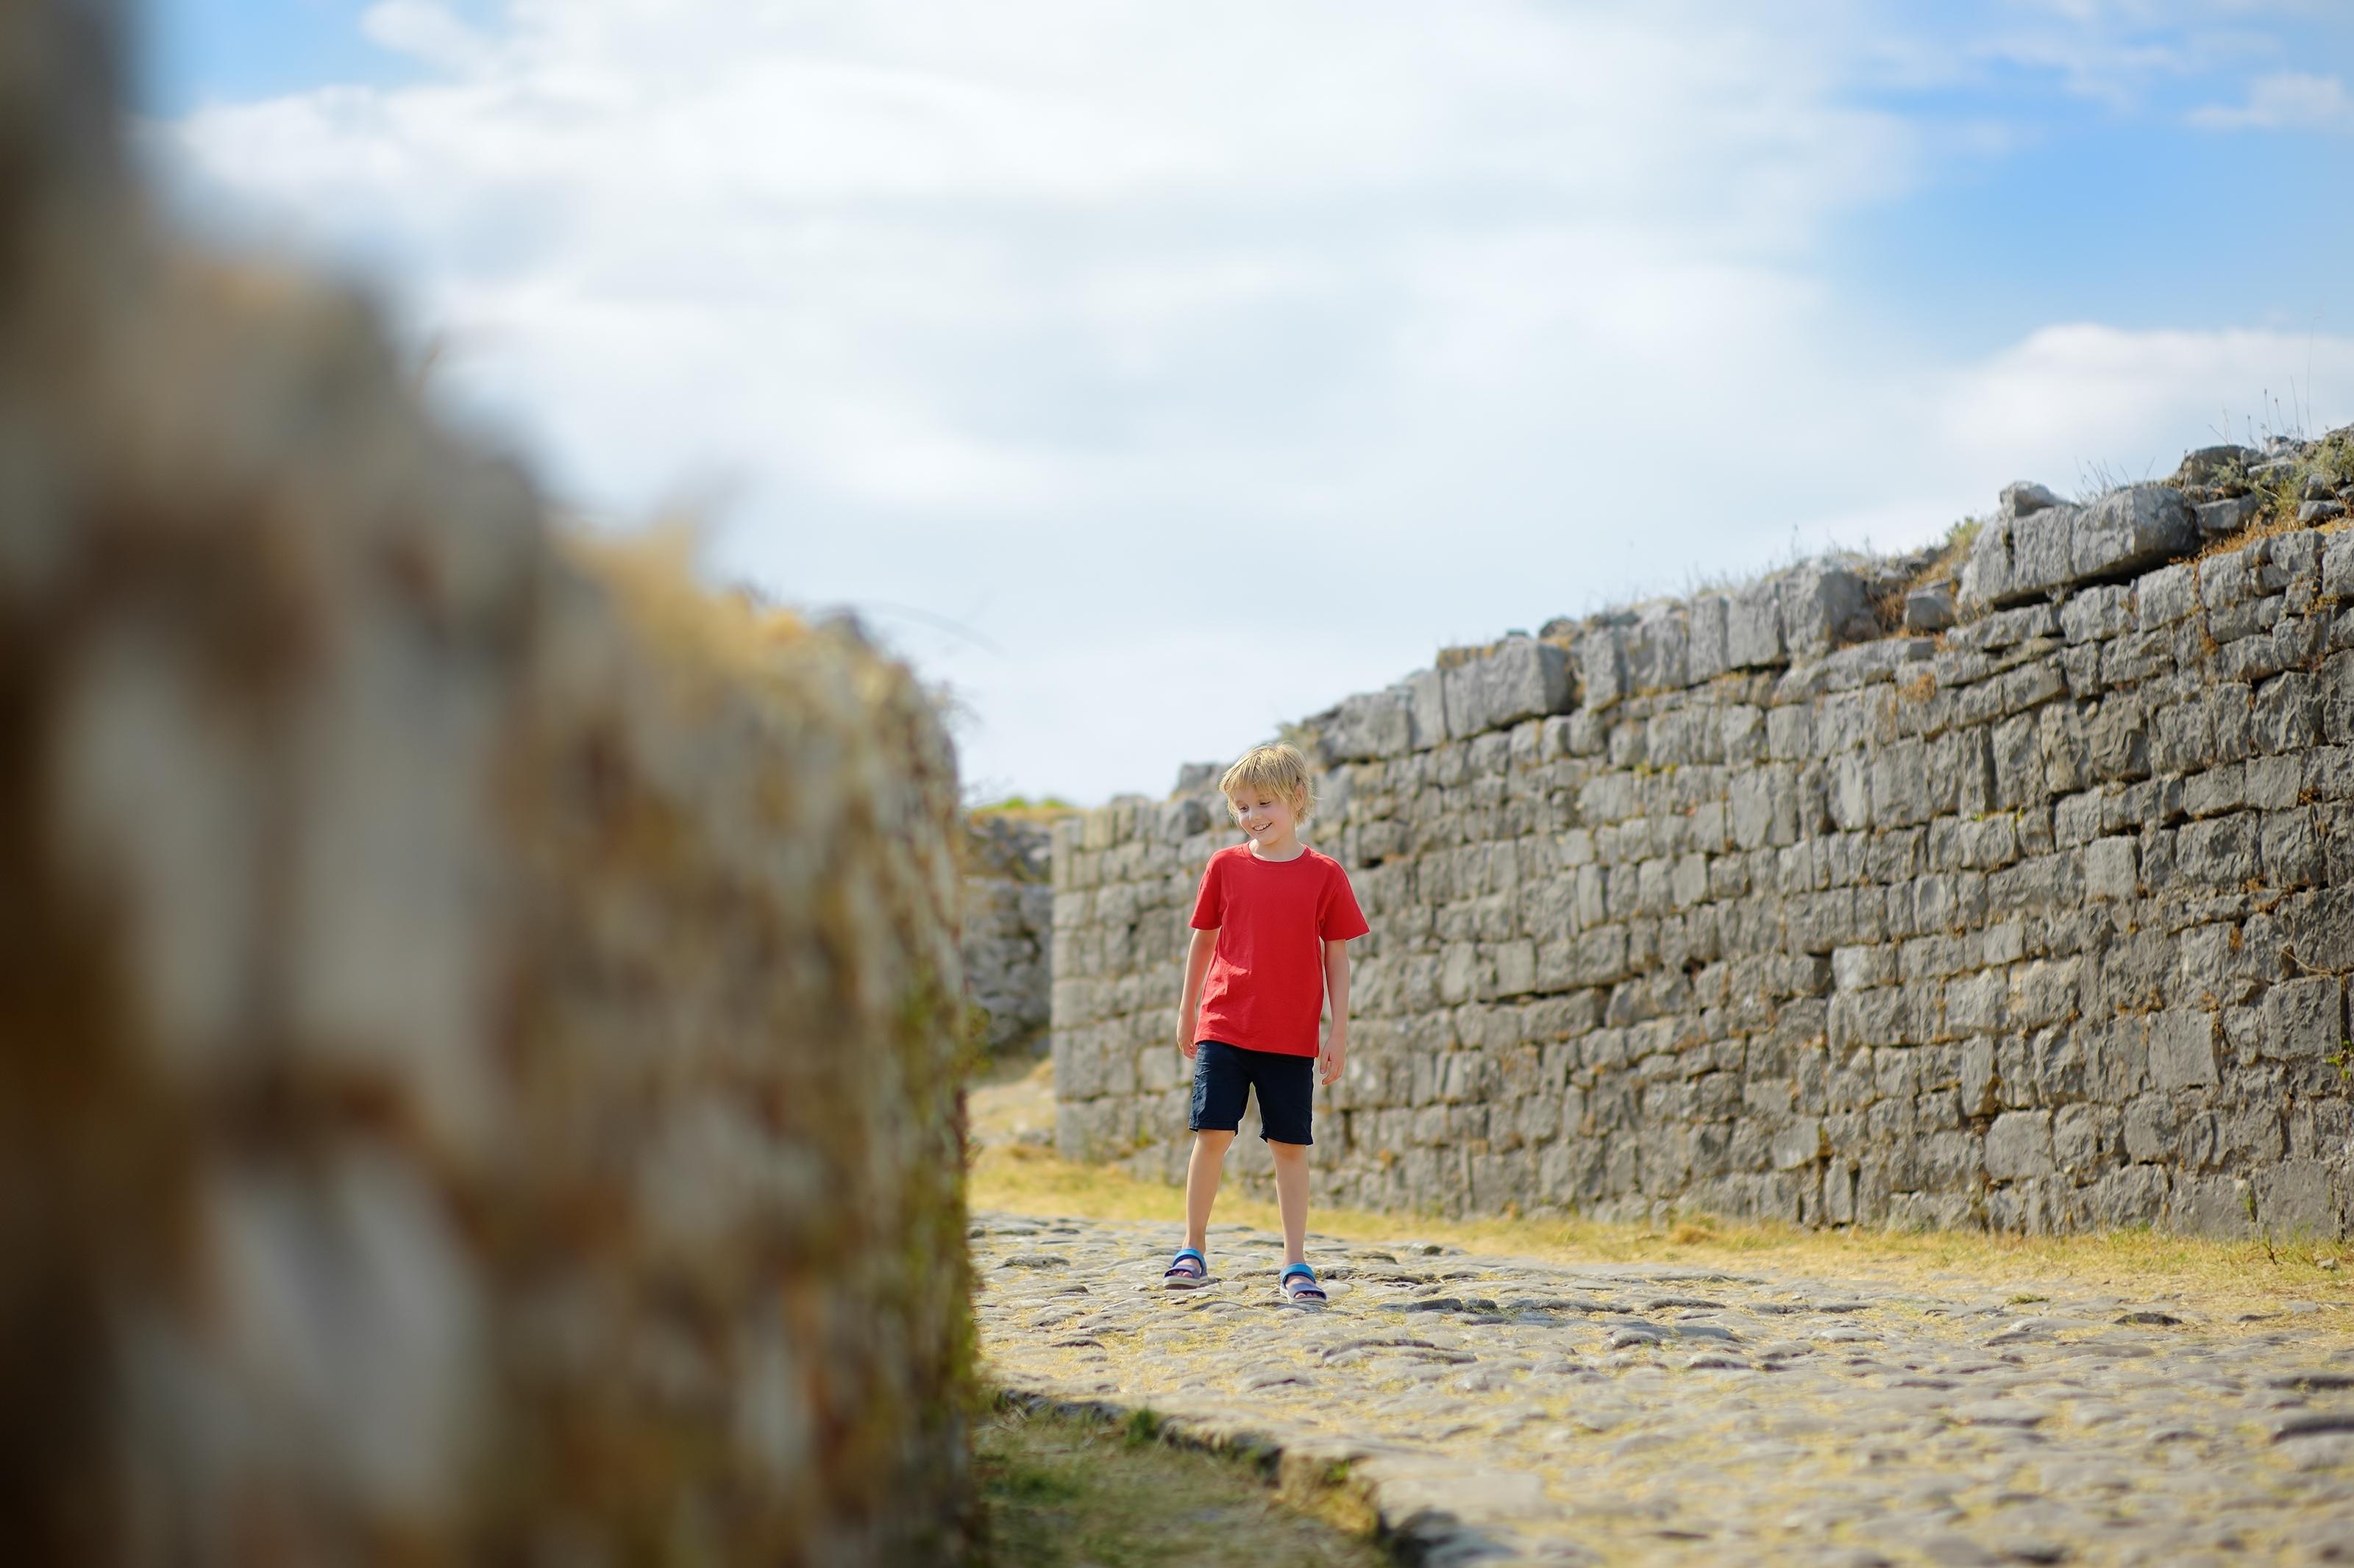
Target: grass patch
(1046,808)
(1946,556)
(2282,491)
(1059,1492)
(2219,1276)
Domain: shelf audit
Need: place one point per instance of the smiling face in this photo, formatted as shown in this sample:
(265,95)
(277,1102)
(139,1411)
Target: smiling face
(1271,819)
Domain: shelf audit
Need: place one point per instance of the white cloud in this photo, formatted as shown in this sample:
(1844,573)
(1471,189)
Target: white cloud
(1208,362)
(2285,100)
(2070,398)
(426,32)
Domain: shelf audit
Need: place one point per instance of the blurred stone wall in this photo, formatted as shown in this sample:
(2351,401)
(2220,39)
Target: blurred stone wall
(1009,914)
(2019,898)
(477,1020)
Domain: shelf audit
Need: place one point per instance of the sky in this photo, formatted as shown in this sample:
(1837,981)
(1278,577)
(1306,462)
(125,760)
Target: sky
(1151,375)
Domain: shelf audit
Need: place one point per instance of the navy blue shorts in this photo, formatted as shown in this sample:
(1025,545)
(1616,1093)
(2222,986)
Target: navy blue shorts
(1286,1086)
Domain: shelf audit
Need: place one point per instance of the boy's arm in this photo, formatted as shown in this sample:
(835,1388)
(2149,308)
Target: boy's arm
(1197,964)
(1335,1054)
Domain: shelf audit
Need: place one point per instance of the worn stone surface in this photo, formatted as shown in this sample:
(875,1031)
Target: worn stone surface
(2041,923)
(1503,1410)
(477,1025)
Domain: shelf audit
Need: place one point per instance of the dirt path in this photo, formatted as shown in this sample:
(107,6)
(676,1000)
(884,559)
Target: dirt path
(1509,1410)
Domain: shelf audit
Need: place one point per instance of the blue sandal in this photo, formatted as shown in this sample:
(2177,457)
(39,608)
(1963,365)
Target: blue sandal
(1297,1283)
(1189,1269)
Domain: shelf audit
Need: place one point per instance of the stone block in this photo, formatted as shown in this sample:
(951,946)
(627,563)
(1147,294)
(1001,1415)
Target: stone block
(1929,608)
(2019,1145)
(1849,782)
(2098,613)
(1985,579)
(1977,1002)
(1177,821)
(1706,657)
(2113,868)
(1602,664)
(1657,650)
(1522,679)
(2228,578)
(2042,554)
(2134,1195)
(2289,850)
(1798,1145)
(2076,1139)
(1822,605)
(2289,559)
(2018,756)
(2116,738)
(2181,1049)
(2205,465)
(2296,1200)
(2213,1206)
(1981,1084)
(1752,626)
(1426,697)
(1901,789)
(1764,807)
(1367,727)
(2022,497)
(1862,967)
(2305,1018)
(2047,990)
(2219,852)
(2217,519)
(2005,629)
(2166,596)
(2286,713)
(2130,529)
(2337,566)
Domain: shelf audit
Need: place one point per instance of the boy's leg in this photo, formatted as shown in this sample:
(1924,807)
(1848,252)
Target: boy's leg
(1202,1174)
(1287,1095)
(1221,1085)
(1290,1196)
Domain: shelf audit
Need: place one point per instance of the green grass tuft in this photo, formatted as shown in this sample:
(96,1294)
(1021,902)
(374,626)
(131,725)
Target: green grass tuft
(1059,1492)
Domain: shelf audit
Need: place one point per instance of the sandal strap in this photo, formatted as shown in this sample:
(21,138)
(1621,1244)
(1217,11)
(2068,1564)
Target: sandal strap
(1291,1268)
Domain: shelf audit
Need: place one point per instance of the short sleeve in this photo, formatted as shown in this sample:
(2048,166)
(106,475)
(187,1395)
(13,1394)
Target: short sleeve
(1210,904)
(1338,918)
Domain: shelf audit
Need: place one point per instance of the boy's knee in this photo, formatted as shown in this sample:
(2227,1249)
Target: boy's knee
(1287,1151)
(1211,1139)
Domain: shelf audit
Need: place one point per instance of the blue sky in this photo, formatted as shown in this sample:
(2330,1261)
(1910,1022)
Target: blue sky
(2120,212)
(1194,366)
(232,51)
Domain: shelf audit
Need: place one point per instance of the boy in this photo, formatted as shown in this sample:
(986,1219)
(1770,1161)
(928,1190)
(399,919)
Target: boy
(1271,929)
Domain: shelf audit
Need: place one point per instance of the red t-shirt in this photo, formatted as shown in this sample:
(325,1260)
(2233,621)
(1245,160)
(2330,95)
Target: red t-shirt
(1266,985)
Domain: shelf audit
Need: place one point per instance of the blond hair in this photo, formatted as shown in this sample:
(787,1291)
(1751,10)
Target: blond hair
(1278,769)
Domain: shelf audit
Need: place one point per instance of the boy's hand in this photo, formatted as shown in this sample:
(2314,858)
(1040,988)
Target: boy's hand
(1332,1058)
(1187,1046)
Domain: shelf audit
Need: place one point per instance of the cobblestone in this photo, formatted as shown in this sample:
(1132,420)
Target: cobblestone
(1502,1410)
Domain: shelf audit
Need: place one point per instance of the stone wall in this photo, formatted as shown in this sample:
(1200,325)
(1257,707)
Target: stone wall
(1008,912)
(1786,903)
(477,1023)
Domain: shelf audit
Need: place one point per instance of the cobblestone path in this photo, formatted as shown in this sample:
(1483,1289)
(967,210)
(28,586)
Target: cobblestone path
(1503,1410)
